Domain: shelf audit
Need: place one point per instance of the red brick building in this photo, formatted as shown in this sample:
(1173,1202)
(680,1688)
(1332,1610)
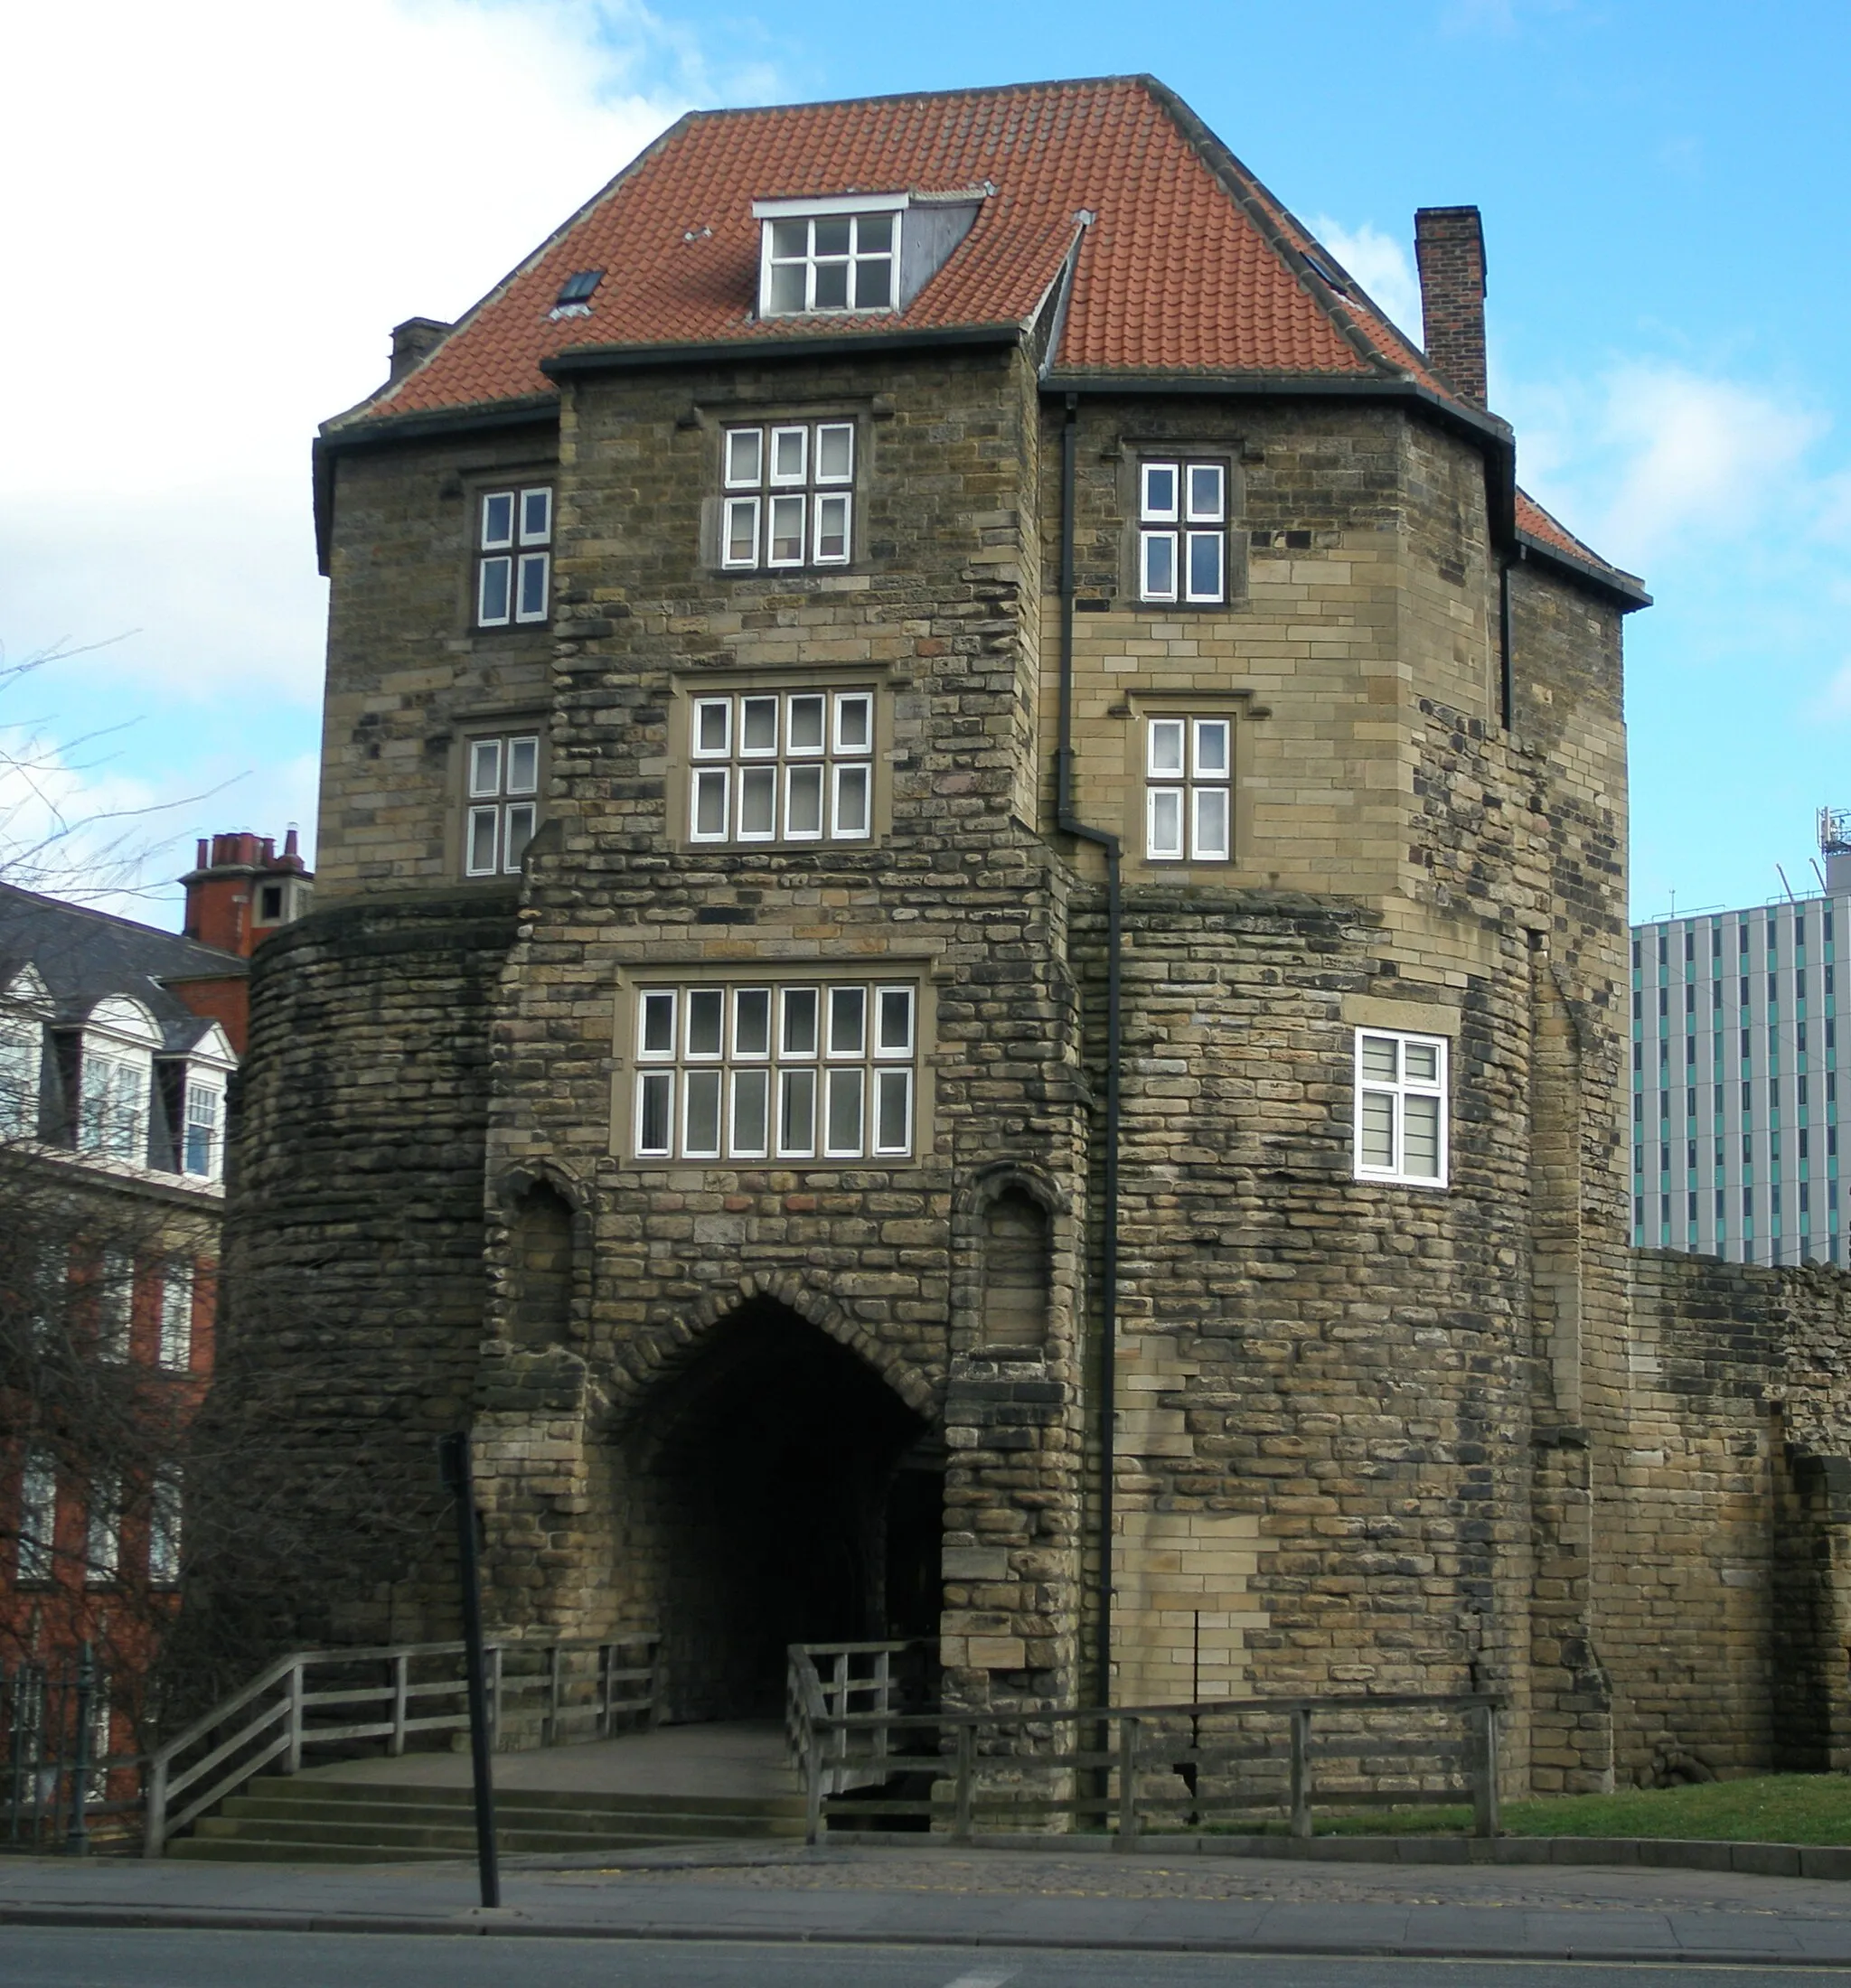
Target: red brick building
(118,1043)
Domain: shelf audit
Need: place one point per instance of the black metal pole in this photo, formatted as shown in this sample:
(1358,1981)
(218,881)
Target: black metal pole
(453,1452)
(77,1837)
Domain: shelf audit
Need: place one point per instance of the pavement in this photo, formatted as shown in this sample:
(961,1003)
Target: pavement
(978,1898)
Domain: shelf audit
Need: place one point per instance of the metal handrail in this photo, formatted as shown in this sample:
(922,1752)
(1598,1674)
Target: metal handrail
(822,1735)
(254,1746)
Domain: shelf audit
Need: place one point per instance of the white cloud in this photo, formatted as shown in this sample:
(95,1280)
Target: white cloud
(1650,460)
(1381,263)
(231,206)
(72,823)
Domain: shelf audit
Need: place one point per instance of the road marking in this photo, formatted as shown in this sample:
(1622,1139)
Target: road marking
(984,1981)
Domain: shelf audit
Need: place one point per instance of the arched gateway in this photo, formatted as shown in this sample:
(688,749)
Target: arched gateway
(787,1494)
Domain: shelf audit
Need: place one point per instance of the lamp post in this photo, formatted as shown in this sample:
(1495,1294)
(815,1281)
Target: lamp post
(453,1455)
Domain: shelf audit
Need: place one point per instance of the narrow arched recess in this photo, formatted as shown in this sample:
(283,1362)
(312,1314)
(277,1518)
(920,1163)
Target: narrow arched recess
(539,1267)
(1018,1270)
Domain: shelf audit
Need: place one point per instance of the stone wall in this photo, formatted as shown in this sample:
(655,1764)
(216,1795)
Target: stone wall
(354,1258)
(1351,1446)
(1721,1589)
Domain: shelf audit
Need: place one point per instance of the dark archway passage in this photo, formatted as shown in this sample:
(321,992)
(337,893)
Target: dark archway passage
(784,1512)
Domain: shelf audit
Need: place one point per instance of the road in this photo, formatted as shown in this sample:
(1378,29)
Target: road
(83,1957)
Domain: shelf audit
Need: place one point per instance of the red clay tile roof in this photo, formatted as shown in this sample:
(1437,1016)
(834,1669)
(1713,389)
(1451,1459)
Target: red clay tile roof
(1535,524)
(1188,264)
(1183,268)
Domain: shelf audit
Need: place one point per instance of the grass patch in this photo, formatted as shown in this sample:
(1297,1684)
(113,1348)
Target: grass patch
(1764,1808)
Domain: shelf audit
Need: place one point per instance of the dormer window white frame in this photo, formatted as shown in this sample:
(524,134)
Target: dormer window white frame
(838,256)
(116,1077)
(25,1007)
(201,1102)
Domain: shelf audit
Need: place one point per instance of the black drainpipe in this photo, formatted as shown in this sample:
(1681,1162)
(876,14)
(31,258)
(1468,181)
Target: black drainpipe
(1070,824)
(1506,689)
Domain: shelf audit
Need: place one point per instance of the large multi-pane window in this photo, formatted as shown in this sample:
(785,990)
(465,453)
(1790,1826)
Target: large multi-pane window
(113,1113)
(37,1517)
(1400,1107)
(164,1528)
(1182,532)
(177,1315)
(114,1304)
(513,564)
(103,1530)
(829,262)
(1187,790)
(782,766)
(789,496)
(503,803)
(20,1039)
(823,1070)
(203,1138)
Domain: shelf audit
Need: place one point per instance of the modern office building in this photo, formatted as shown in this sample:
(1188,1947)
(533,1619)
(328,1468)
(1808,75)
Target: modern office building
(1737,1018)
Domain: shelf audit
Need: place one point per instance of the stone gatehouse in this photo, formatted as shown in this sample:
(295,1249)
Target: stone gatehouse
(970,975)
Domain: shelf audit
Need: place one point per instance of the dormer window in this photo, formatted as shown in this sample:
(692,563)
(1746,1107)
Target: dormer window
(23,1007)
(116,1081)
(840,255)
(203,1129)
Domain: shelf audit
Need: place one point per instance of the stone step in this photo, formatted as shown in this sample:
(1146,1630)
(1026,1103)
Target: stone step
(388,1837)
(282,1850)
(613,1815)
(545,1801)
(294,1819)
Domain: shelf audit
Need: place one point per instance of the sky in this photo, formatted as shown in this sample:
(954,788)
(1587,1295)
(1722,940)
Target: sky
(219,211)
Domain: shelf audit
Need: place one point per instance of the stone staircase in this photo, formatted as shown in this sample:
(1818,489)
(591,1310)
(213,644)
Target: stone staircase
(306,1819)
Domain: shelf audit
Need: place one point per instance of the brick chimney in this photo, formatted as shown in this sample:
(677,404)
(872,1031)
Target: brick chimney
(240,890)
(1449,244)
(412,341)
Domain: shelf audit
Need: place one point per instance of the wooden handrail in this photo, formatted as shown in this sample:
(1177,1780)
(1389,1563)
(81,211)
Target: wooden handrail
(821,1734)
(165,1779)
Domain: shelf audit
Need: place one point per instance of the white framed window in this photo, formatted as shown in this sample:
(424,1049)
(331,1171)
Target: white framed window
(1401,1114)
(513,561)
(789,494)
(502,808)
(116,1081)
(829,262)
(22,1041)
(202,1131)
(781,766)
(764,1071)
(38,1518)
(102,1552)
(165,1516)
(1182,531)
(115,1305)
(1188,797)
(177,1315)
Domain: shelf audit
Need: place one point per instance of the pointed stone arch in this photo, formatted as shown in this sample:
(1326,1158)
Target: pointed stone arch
(659,1352)
(776,1481)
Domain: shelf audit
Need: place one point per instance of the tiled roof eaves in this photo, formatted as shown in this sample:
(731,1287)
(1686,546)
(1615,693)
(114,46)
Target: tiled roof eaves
(1491,428)
(527,262)
(580,358)
(1628,588)
(1263,210)
(364,430)
(369,426)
